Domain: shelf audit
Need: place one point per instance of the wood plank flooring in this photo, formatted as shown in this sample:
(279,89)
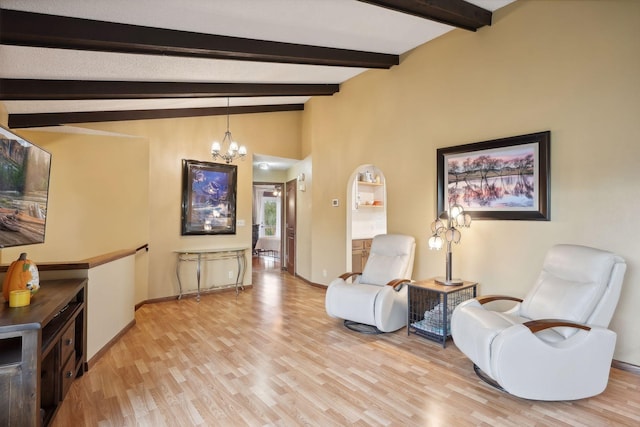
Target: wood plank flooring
(272,357)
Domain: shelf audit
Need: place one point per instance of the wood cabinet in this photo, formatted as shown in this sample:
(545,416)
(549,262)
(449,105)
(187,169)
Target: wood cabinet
(42,350)
(359,254)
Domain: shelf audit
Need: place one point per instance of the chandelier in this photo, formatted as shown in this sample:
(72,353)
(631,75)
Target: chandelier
(228,150)
(444,230)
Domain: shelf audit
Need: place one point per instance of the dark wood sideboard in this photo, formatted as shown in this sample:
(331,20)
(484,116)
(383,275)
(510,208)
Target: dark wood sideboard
(43,348)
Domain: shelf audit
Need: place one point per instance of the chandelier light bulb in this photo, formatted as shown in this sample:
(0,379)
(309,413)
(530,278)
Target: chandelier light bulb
(215,147)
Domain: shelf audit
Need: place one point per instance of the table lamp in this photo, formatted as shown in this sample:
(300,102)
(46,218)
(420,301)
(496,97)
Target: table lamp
(444,229)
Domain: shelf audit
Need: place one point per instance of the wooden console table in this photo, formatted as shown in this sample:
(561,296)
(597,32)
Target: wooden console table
(203,255)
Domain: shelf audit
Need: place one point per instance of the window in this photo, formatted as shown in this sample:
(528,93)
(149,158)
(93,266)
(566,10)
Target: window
(270,216)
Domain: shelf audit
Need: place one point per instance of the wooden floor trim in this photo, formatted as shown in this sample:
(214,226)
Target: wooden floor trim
(624,366)
(309,282)
(190,295)
(111,342)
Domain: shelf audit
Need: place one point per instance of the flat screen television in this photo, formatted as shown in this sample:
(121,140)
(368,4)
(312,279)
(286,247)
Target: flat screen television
(24,190)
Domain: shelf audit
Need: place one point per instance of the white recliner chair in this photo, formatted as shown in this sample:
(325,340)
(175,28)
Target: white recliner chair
(377,298)
(554,344)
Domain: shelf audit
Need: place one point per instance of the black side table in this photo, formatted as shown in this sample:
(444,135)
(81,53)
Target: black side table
(430,307)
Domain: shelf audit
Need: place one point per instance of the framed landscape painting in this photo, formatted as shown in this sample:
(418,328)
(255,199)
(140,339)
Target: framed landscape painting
(24,190)
(208,198)
(504,178)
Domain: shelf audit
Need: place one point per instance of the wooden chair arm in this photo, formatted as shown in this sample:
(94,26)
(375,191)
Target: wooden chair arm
(542,324)
(394,283)
(488,298)
(345,276)
(397,282)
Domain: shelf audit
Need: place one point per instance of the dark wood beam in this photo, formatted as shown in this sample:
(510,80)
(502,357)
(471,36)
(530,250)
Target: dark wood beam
(18,121)
(33,89)
(457,13)
(36,29)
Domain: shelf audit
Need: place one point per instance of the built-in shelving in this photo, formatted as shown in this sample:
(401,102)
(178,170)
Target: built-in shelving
(369,195)
(368,210)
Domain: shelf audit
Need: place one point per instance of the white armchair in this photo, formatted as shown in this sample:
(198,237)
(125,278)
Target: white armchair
(377,297)
(554,344)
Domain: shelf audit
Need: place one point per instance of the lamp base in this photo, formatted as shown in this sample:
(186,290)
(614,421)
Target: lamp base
(445,282)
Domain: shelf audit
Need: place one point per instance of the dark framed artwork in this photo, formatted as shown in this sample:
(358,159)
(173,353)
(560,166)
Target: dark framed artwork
(504,178)
(208,198)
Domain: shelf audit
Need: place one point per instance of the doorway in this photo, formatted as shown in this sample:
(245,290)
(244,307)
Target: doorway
(290,227)
(268,224)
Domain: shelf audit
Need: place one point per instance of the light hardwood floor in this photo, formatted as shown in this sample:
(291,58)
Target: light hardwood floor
(272,357)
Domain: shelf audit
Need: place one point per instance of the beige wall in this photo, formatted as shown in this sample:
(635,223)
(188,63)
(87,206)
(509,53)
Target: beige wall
(122,188)
(97,196)
(569,67)
(4,117)
(170,141)
(260,175)
(304,215)
(110,301)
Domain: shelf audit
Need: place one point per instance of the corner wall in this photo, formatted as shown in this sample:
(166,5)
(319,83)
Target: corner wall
(564,66)
(304,215)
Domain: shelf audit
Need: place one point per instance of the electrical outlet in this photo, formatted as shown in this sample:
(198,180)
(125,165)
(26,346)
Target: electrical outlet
(230,274)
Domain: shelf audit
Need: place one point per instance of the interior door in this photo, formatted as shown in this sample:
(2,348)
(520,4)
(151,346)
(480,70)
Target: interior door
(290,227)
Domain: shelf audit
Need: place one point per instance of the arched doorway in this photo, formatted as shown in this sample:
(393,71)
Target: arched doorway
(366,212)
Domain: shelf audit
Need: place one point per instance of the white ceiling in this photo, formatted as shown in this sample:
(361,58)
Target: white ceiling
(348,24)
(345,24)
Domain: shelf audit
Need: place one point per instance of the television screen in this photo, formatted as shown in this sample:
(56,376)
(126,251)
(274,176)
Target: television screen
(24,190)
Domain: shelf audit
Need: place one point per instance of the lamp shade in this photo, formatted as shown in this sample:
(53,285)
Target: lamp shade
(452,235)
(435,242)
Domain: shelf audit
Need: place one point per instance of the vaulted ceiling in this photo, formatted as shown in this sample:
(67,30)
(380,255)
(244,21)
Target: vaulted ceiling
(79,61)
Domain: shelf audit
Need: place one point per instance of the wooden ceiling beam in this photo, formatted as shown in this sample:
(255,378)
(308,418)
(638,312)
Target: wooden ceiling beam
(19,121)
(34,89)
(36,29)
(457,13)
